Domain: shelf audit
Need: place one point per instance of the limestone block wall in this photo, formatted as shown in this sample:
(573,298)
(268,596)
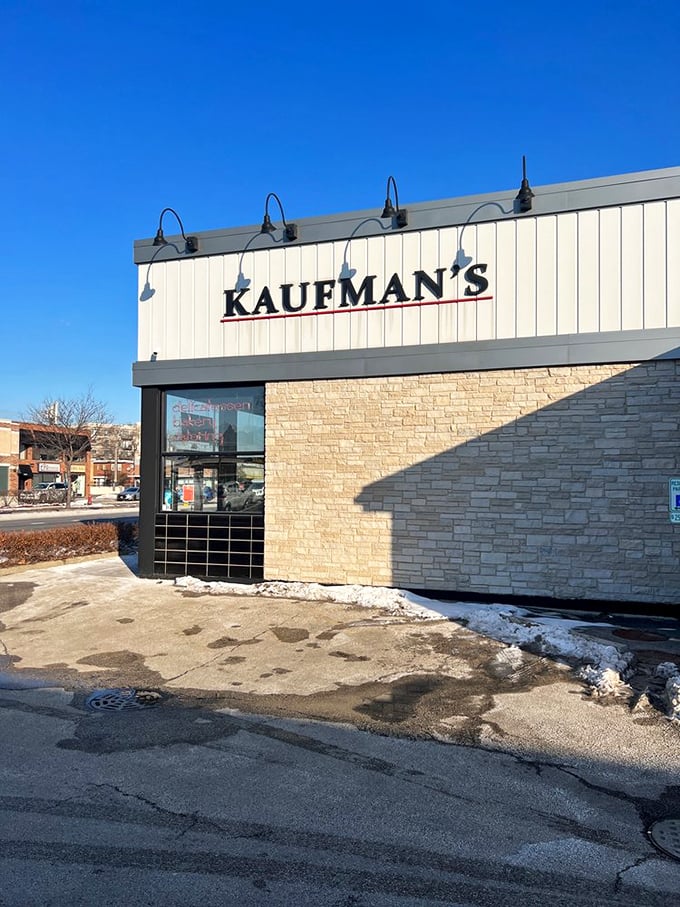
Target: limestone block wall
(545,481)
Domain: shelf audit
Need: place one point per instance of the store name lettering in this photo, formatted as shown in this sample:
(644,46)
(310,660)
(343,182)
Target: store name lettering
(335,295)
(208,406)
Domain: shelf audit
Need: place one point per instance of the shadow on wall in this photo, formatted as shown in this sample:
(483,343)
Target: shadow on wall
(569,501)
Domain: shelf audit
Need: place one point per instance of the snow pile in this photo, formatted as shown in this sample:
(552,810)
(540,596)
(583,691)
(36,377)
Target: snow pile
(391,600)
(604,681)
(604,667)
(666,669)
(511,658)
(669,672)
(673,696)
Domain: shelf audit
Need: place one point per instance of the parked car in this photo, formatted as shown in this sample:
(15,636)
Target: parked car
(129,494)
(244,495)
(45,493)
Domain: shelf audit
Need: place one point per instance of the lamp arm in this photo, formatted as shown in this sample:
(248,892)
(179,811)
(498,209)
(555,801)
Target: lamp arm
(179,220)
(278,202)
(391,179)
(479,208)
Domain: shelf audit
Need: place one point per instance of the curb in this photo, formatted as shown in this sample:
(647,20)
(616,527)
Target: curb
(62,562)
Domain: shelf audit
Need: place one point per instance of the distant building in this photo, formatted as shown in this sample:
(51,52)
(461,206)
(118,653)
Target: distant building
(29,454)
(9,455)
(115,455)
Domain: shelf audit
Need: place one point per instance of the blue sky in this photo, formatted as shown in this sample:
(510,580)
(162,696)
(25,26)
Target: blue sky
(111,111)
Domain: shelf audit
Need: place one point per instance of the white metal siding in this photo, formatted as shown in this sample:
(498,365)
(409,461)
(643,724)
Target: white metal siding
(580,272)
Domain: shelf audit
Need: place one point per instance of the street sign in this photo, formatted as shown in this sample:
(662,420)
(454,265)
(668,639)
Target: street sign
(674,500)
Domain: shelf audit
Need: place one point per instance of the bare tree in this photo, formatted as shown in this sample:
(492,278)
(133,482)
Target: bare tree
(68,427)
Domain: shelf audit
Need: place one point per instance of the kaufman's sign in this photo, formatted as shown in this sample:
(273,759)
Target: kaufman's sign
(343,295)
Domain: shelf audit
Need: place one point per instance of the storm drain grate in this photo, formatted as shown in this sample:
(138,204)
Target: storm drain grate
(120,700)
(665,835)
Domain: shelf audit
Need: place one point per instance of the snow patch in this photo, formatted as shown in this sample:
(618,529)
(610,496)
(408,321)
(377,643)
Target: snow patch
(666,669)
(605,681)
(511,658)
(670,672)
(672,693)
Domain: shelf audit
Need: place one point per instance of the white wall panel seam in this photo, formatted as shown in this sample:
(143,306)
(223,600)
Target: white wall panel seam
(643,284)
(658,265)
(577,283)
(621,313)
(516,263)
(673,261)
(534,275)
(495,271)
(667,258)
(598,283)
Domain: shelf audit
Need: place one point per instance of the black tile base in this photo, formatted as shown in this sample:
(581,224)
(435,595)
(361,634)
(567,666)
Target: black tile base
(209,546)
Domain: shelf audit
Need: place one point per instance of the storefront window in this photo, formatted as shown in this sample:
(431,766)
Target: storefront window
(214,450)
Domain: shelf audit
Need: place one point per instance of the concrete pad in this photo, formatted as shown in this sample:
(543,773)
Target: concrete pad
(568,723)
(96,625)
(99,615)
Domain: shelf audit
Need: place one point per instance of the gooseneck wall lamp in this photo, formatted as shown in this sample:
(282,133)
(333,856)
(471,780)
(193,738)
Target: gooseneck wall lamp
(190,242)
(401,214)
(524,197)
(290,231)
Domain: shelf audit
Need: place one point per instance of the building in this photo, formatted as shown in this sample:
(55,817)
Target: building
(31,453)
(115,455)
(9,457)
(476,395)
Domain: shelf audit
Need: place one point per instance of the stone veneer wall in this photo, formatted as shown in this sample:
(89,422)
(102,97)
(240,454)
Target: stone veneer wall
(539,481)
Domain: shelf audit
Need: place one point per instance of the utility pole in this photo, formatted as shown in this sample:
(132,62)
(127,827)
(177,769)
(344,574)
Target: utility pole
(116,444)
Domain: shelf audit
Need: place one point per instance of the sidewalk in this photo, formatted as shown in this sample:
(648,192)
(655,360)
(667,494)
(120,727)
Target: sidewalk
(96,625)
(101,503)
